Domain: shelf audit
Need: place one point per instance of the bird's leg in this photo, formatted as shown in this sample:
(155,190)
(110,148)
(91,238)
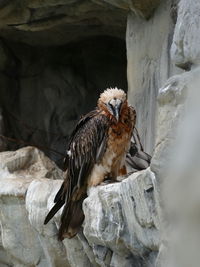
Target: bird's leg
(109,179)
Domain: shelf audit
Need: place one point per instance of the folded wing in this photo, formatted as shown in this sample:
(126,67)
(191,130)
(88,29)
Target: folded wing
(86,147)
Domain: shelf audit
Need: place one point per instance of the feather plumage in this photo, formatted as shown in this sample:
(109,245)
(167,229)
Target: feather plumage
(96,150)
(87,145)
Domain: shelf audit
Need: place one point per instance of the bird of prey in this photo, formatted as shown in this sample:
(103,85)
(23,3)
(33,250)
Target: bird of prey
(97,151)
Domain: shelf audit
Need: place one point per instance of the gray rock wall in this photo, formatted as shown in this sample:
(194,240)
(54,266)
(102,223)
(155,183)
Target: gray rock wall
(151,218)
(121,225)
(149,66)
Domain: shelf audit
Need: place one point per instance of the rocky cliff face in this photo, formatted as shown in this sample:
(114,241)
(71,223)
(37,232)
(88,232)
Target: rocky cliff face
(131,223)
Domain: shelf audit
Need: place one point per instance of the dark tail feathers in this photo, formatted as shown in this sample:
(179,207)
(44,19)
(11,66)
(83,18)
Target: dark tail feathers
(71,219)
(53,211)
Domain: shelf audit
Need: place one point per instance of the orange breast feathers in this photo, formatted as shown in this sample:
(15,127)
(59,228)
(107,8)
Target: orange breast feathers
(120,133)
(118,143)
(126,122)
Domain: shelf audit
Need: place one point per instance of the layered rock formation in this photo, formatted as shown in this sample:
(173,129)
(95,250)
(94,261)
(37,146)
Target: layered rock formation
(140,221)
(121,221)
(60,22)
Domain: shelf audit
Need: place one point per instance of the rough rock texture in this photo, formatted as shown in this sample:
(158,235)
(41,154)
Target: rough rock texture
(175,160)
(186,41)
(18,169)
(149,66)
(149,219)
(126,223)
(124,231)
(58,22)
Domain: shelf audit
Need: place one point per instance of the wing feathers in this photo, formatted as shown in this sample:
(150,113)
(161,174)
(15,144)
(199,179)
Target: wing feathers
(53,211)
(59,193)
(86,147)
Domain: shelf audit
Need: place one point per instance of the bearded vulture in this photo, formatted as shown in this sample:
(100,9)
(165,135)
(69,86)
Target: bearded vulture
(97,151)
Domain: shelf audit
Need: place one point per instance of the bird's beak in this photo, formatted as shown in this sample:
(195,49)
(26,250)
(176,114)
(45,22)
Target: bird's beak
(114,107)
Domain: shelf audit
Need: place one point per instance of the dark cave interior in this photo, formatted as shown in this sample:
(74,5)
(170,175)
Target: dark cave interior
(45,89)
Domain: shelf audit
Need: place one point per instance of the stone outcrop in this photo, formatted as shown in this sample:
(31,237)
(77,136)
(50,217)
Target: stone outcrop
(176,167)
(186,40)
(149,66)
(150,218)
(121,221)
(59,22)
(18,170)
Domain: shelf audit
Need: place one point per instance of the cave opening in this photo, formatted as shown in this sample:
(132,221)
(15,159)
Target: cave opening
(45,89)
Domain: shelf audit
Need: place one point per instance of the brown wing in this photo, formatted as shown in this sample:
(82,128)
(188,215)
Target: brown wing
(86,147)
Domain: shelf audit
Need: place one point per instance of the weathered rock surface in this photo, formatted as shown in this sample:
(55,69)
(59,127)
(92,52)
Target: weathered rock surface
(171,100)
(18,169)
(176,165)
(152,217)
(124,231)
(149,66)
(185,49)
(126,222)
(59,22)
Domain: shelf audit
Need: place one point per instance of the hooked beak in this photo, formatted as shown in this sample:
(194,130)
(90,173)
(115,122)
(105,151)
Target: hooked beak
(114,107)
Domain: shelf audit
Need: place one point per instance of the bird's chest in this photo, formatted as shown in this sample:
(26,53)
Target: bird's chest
(118,139)
(118,142)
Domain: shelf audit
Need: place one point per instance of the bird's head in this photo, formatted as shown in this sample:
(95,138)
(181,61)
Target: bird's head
(112,100)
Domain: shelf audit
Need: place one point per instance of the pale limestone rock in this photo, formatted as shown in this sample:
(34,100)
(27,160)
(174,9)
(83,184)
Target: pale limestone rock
(4,258)
(126,220)
(125,223)
(37,202)
(149,66)
(185,48)
(120,228)
(28,162)
(19,239)
(171,100)
(171,106)
(176,164)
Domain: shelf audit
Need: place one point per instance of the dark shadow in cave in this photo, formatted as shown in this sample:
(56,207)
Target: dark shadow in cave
(44,90)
